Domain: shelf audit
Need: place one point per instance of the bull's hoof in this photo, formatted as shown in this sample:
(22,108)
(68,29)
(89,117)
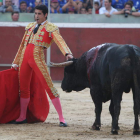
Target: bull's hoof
(96,127)
(114,132)
(136,132)
(116,128)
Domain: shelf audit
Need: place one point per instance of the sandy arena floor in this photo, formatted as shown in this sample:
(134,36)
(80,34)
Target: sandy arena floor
(78,110)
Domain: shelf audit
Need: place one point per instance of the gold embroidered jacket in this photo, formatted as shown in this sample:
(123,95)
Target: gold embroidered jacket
(46,35)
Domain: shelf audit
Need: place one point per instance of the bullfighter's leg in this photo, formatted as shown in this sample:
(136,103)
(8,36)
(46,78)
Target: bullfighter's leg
(25,73)
(111,109)
(40,68)
(136,113)
(96,95)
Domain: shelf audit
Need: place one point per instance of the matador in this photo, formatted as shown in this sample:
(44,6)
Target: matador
(30,57)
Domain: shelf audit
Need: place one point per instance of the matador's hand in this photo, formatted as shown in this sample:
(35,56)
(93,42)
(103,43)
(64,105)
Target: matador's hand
(15,66)
(69,56)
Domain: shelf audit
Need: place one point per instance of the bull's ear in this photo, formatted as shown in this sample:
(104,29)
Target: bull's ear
(71,68)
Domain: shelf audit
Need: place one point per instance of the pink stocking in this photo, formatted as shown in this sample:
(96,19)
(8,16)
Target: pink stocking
(23,108)
(57,105)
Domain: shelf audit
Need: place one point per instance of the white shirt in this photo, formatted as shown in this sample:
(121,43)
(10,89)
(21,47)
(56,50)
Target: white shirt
(41,23)
(103,10)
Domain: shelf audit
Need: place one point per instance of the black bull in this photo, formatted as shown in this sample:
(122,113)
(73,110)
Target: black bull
(108,70)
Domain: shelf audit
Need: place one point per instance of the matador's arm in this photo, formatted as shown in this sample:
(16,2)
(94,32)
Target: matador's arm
(60,42)
(57,38)
(18,55)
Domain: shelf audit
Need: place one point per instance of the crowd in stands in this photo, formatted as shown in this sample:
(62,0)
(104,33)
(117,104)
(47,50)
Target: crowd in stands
(117,7)
(56,6)
(106,7)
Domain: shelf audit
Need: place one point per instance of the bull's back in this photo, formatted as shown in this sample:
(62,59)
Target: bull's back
(113,64)
(116,66)
(104,60)
(117,56)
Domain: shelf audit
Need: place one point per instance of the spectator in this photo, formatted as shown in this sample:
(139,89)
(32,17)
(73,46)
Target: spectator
(71,11)
(108,10)
(127,7)
(55,7)
(118,4)
(136,14)
(0,2)
(136,4)
(15,16)
(97,1)
(69,4)
(8,7)
(30,3)
(101,2)
(37,2)
(96,7)
(133,8)
(16,3)
(79,5)
(83,10)
(87,3)
(23,7)
(89,10)
(62,2)
(128,10)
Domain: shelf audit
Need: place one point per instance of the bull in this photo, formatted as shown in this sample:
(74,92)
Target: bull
(108,70)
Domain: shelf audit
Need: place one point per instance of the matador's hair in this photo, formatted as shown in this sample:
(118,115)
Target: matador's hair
(43,8)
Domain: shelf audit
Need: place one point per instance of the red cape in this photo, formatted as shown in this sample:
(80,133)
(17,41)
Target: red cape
(38,107)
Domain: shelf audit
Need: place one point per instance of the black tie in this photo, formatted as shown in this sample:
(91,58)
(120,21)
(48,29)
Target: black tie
(36,29)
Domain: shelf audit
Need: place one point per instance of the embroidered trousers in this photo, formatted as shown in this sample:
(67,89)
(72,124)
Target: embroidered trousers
(32,59)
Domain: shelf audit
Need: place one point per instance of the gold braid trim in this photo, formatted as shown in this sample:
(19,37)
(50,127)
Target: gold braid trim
(60,42)
(40,61)
(18,55)
(50,27)
(30,25)
(20,62)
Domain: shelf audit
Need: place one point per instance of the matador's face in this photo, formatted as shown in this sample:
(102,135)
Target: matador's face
(39,16)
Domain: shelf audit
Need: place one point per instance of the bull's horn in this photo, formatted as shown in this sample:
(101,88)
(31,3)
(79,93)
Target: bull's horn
(63,64)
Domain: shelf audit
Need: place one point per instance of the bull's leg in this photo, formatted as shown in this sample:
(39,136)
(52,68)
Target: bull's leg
(97,99)
(136,113)
(111,109)
(117,97)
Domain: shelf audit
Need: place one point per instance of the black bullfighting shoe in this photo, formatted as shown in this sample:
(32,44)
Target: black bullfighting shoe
(15,122)
(63,124)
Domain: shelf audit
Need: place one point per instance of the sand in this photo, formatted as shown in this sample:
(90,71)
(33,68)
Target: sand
(78,110)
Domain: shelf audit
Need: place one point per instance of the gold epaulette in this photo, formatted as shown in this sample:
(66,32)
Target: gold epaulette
(50,27)
(30,25)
